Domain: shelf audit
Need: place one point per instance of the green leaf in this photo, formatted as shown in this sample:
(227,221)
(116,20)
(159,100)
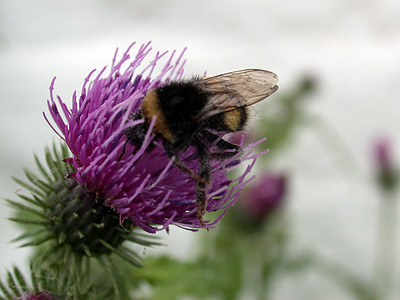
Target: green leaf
(67,254)
(56,152)
(35,201)
(5,291)
(129,255)
(43,278)
(64,150)
(124,253)
(29,234)
(12,284)
(55,168)
(107,245)
(28,221)
(39,240)
(28,187)
(147,241)
(22,207)
(42,170)
(87,250)
(34,280)
(45,187)
(20,278)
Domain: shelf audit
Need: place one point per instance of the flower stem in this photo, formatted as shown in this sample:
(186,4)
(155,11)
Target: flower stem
(386,245)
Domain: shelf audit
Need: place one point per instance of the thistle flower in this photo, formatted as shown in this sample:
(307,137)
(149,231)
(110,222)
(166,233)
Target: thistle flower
(45,284)
(68,221)
(141,186)
(17,287)
(387,172)
(265,196)
(43,295)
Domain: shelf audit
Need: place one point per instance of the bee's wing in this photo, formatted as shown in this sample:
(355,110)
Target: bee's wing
(236,89)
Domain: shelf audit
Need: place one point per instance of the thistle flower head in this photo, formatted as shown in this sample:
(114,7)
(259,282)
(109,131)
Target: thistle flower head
(265,196)
(37,296)
(45,284)
(142,186)
(18,288)
(385,164)
(68,221)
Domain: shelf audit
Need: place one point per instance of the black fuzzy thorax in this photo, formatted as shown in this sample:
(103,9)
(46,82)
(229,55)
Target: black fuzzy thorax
(181,103)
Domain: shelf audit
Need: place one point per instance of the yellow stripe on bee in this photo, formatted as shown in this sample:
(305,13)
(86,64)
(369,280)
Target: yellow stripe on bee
(150,109)
(232,119)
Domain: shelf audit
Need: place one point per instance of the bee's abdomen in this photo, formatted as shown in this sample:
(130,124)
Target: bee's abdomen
(236,119)
(233,120)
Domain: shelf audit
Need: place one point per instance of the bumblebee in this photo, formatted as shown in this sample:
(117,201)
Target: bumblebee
(193,112)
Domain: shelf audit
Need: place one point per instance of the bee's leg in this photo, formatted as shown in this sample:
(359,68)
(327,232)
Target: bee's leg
(223,145)
(201,185)
(178,163)
(123,151)
(135,135)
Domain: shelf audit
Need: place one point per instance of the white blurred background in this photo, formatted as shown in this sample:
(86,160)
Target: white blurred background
(352,47)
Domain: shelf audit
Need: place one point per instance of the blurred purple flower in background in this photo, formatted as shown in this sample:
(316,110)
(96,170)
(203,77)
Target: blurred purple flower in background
(264,196)
(37,296)
(143,186)
(386,168)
